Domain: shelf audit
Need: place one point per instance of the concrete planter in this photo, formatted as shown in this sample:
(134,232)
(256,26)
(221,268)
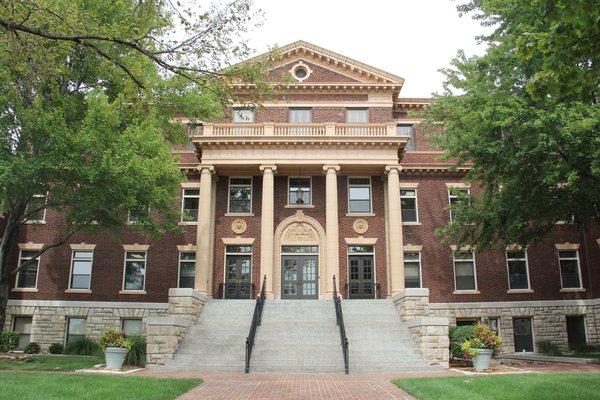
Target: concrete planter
(482,360)
(115,356)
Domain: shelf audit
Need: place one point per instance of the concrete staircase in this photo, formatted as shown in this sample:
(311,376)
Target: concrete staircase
(378,340)
(298,336)
(217,342)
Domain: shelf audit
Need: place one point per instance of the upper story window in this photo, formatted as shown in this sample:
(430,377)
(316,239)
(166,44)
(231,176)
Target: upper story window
(240,195)
(243,115)
(134,216)
(357,115)
(81,269)
(359,195)
(518,276)
(408,204)
(300,115)
(406,130)
(465,277)
(187,269)
(189,205)
(27,276)
(412,269)
(36,209)
(570,274)
(299,191)
(135,270)
(454,197)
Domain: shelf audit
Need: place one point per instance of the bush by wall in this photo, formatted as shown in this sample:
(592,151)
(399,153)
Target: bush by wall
(8,341)
(548,348)
(56,348)
(137,353)
(83,347)
(459,335)
(32,348)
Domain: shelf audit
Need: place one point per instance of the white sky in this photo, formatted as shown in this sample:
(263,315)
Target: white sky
(409,38)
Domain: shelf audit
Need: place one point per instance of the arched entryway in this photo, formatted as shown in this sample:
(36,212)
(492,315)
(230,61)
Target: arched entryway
(300,250)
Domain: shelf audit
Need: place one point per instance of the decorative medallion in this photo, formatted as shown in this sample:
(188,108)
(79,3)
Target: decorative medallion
(360,226)
(239,226)
(299,232)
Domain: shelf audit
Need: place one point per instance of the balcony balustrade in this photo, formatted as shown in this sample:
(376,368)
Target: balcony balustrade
(279,129)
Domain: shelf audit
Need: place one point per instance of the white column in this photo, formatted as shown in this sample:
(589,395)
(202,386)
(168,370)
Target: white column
(395,229)
(267,227)
(203,240)
(332,242)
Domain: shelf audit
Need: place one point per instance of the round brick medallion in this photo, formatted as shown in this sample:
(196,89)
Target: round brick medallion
(239,226)
(360,226)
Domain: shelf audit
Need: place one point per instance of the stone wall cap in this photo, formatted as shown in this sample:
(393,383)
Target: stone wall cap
(175,321)
(428,321)
(186,292)
(410,292)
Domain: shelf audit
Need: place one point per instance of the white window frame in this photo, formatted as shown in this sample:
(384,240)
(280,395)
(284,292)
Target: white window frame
(526,258)
(43,220)
(311,192)
(179,265)
(370,186)
(183,197)
(411,136)
(560,269)
(533,339)
(237,120)
(420,266)
(143,290)
(416,197)
(71,270)
(453,196)
(310,112)
(37,273)
(69,318)
(463,291)
(349,111)
(230,185)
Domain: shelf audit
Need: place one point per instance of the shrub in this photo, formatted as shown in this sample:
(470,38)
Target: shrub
(583,348)
(32,348)
(56,348)
(548,348)
(114,338)
(8,341)
(83,347)
(137,353)
(459,335)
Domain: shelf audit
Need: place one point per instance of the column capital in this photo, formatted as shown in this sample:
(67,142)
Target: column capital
(391,168)
(331,168)
(265,168)
(206,169)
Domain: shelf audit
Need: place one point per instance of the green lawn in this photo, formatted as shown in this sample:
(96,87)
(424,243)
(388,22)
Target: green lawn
(52,363)
(27,386)
(505,387)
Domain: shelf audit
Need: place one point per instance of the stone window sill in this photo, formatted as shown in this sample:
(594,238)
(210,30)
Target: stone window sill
(572,290)
(299,206)
(412,223)
(519,291)
(188,223)
(239,214)
(26,290)
(360,214)
(78,291)
(132,292)
(466,292)
(34,222)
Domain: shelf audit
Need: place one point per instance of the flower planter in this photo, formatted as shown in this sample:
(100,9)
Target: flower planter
(115,356)
(482,360)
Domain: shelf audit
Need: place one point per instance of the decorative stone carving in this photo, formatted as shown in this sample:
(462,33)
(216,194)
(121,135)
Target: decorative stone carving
(239,226)
(360,226)
(299,232)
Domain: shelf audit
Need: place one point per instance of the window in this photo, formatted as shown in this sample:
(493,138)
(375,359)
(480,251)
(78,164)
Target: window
(22,325)
(518,277)
(406,130)
(494,324)
(359,195)
(132,326)
(300,115)
(27,277)
(576,330)
(412,270)
(408,202)
(569,268)
(189,205)
(300,72)
(138,214)
(135,270)
(187,269)
(357,115)
(299,191)
(240,195)
(464,271)
(36,210)
(81,269)
(454,197)
(466,321)
(243,115)
(523,334)
(76,327)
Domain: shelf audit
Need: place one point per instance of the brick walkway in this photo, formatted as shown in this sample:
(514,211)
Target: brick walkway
(272,386)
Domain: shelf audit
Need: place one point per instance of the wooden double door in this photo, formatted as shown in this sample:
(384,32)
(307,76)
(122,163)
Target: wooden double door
(361,283)
(238,277)
(299,277)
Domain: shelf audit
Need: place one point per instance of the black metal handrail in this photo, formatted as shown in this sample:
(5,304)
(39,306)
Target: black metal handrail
(339,319)
(256,318)
(374,285)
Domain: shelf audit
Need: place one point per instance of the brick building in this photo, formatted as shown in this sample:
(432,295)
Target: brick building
(330,177)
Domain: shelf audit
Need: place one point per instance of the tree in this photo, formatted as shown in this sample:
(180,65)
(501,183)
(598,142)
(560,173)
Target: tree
(88,93)
(526,115)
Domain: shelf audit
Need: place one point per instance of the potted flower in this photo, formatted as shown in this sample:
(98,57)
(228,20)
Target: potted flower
(482,347)
(116,345)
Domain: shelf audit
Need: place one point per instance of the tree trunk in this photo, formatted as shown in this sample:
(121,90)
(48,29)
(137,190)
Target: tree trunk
(4,289)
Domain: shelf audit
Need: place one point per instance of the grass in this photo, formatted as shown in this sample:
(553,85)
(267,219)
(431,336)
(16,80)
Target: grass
(505,387)
(51,363)
(42,386)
